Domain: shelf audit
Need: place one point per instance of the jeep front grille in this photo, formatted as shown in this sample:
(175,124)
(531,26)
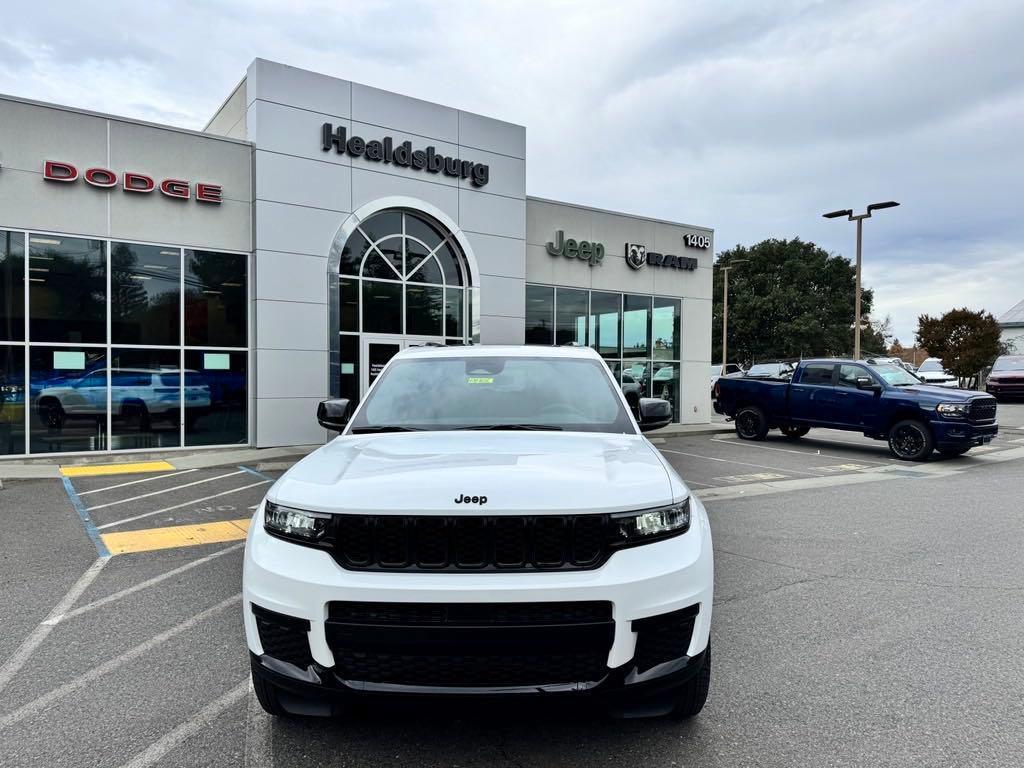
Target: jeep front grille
(468,543)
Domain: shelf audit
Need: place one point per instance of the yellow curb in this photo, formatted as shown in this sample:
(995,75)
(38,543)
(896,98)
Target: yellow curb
(149,539)
(95,470)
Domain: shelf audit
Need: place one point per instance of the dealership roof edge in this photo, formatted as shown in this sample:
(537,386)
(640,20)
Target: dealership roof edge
(610,212)
(122,119)
(366,85)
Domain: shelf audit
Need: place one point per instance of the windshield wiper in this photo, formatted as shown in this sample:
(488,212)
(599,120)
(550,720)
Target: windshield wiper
(369,430)
(514,427)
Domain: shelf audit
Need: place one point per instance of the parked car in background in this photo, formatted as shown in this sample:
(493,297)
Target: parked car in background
(732,370)
(1007,377)
(883,402)
(138,395)
(779,370)
(932,372)
(633,390)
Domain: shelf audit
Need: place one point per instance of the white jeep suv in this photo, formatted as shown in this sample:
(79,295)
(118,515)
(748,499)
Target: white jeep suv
(490,522)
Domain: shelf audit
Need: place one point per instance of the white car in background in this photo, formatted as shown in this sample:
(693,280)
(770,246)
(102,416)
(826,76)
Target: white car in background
(140,395)
(931,372)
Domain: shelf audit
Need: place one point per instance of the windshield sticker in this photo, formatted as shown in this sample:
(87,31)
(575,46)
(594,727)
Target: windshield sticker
(479,379)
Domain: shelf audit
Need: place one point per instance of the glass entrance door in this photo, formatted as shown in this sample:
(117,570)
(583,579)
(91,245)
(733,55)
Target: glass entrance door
(378,350)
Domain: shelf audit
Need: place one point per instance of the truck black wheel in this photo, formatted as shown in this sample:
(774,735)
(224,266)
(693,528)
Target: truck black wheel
(751,423)
(694,694)
(266,695)
(911,440)
(953,452)
(793,432)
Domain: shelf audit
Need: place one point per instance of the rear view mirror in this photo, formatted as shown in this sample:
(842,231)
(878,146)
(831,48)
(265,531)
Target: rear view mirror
(655,413)
(334,414)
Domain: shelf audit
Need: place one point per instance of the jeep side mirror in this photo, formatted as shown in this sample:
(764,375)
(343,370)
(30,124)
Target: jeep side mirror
(655,413)
(866,382)
(334,414)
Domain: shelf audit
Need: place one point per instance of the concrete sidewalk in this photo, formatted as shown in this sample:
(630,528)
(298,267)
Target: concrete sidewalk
(51,467)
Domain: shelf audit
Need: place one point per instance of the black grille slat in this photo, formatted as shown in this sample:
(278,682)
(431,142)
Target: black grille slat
(663,638)
(472,542)
(982,409)
(470,644)
(283,637)
(470,614)
(471,670)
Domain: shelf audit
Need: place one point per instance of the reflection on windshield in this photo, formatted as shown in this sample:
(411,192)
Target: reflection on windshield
(895,376)
(444,393)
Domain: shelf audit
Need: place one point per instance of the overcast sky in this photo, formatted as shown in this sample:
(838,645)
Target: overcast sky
(750,117)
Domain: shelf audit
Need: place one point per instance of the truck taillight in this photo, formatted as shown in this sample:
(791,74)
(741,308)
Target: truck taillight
(718,389)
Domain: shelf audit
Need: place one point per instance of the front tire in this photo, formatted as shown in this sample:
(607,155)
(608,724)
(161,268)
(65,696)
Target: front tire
(694,694)
(266,695)
(794,432)
(911,440)
(751,423)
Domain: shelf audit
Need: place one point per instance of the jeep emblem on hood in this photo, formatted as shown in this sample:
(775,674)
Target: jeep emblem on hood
(463,499)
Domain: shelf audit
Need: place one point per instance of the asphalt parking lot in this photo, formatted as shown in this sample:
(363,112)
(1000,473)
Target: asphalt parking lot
(867,612)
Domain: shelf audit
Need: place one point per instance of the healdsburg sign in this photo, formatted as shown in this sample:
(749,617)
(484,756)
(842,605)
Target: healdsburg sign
(385,151)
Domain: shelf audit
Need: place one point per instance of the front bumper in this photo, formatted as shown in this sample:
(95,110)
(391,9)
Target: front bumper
(956,434)
(1008,388)
(641,582)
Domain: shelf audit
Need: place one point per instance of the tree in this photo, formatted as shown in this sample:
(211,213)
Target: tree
(790,299)
(966,341)
(875,337)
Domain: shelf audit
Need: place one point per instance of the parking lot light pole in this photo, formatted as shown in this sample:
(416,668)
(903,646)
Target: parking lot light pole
(725,307)
(860,223)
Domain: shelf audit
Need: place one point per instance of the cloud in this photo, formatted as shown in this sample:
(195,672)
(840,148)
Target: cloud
(752,118)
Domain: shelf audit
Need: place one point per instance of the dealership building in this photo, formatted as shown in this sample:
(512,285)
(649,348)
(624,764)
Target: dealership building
(163,288)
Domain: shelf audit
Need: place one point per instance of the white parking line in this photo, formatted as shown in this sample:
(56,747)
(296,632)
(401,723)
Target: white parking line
(134,482)
(179,506)
(57,618)
(20,656)
(733,461)
(746,444)
(201,719)
(259,734)
(165,490)
(110,665)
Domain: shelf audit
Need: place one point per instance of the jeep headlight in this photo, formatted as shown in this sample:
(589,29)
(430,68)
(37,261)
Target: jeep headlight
(952,410)
(642,526)
(295,523)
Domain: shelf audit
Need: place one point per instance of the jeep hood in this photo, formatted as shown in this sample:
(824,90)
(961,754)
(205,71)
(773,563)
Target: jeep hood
(537,472)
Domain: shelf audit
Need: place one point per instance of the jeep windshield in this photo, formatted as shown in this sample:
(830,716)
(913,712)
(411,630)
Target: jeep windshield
(514,393)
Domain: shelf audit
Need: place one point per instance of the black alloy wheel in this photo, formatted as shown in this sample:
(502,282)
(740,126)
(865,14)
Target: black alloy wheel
(751,423)
(910,440)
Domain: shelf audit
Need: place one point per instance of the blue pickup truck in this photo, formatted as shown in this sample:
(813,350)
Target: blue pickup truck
(881,401)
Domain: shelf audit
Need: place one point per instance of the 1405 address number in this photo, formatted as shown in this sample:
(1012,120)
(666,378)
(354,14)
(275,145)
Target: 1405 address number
(697,241)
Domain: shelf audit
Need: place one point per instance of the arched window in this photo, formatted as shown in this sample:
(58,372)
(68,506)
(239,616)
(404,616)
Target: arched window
(402,273)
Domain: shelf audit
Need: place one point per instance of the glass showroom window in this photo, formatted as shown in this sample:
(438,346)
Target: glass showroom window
(540,314)
(638,336)
(68,396)
(401,273)
(145,294)
(12,286)
(216,334)
(67,290)
(85,388)
(12,399)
